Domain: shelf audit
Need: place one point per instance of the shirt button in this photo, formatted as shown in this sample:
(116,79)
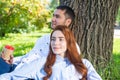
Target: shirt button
(40,49)
(22,62)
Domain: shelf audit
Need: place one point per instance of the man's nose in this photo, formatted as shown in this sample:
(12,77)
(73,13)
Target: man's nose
(53,19)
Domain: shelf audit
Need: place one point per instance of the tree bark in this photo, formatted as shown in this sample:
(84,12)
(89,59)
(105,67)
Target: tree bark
(94,28)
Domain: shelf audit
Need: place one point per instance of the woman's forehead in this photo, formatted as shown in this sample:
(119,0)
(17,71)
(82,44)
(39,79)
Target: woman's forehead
(57,33)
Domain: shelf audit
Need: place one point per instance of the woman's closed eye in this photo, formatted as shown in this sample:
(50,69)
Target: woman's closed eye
(53,39)
(61,39)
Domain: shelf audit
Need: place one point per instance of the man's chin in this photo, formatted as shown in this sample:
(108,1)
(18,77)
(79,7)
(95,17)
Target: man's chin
(53,26)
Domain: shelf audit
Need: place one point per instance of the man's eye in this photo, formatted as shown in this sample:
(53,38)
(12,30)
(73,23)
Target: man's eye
(57,16)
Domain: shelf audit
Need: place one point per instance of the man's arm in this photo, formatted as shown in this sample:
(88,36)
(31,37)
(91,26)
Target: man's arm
(41,48)
(26,71)
(4,67)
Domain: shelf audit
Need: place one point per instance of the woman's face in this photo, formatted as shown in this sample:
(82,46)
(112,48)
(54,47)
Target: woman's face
(58,43)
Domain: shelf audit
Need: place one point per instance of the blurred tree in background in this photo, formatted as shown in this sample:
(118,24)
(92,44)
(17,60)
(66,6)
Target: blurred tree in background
(22,16)
(54,3)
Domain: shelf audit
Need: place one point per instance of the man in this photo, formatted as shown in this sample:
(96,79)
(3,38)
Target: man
(63,15)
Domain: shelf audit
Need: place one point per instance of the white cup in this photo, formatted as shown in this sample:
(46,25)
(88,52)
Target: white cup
(7,52)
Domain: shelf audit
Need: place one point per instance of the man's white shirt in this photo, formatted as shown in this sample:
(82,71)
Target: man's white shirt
(40,49)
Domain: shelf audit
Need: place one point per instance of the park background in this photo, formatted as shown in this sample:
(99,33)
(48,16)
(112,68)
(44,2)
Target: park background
(21,25)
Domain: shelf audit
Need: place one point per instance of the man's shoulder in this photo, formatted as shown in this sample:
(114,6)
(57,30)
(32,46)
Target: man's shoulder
(46,36)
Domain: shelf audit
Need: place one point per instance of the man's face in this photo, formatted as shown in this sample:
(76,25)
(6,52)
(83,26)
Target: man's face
(59,18)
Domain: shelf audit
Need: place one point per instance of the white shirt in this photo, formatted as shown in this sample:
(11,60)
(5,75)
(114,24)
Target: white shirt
(61,70)
(41,48)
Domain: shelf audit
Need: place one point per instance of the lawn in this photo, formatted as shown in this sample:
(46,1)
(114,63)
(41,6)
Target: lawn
(23,43)
(112,71)
(116,58)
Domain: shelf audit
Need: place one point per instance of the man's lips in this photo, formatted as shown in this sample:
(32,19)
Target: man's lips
(53,24)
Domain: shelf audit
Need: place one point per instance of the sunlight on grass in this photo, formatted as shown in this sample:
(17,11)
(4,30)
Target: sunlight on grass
(116,46)
(23,43)
(116,53)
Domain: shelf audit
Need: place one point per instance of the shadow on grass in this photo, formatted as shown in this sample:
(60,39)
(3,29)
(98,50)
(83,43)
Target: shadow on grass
(116,58)
(112,71)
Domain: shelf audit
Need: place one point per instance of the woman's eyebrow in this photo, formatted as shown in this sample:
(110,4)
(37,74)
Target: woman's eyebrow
(58,37)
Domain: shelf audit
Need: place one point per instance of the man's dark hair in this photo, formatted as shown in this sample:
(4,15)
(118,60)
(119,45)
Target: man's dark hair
(69,13)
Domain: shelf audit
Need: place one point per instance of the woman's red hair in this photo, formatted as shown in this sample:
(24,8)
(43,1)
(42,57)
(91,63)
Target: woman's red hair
(71,53)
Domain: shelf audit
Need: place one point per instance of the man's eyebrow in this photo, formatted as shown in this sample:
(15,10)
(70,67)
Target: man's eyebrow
(55,15)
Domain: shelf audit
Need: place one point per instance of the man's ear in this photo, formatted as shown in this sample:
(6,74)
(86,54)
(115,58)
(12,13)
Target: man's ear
(68,22)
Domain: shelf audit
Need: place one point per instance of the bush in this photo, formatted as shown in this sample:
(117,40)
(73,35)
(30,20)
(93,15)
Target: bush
(22,16)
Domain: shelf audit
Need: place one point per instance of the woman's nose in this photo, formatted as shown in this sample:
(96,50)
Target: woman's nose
(56,42)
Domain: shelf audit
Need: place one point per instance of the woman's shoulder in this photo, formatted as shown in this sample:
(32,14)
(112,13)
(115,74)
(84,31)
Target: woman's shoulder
(87,63)
(91,74)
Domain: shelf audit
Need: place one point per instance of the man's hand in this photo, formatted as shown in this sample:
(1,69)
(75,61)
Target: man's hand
(10,61)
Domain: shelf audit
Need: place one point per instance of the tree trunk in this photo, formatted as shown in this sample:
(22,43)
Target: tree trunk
(94,28)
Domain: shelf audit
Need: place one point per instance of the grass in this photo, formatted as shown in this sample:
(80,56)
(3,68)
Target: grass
(116,58)
(23,43)
(112,71)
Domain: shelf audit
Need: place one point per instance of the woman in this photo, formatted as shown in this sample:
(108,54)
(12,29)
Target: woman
(63,56)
